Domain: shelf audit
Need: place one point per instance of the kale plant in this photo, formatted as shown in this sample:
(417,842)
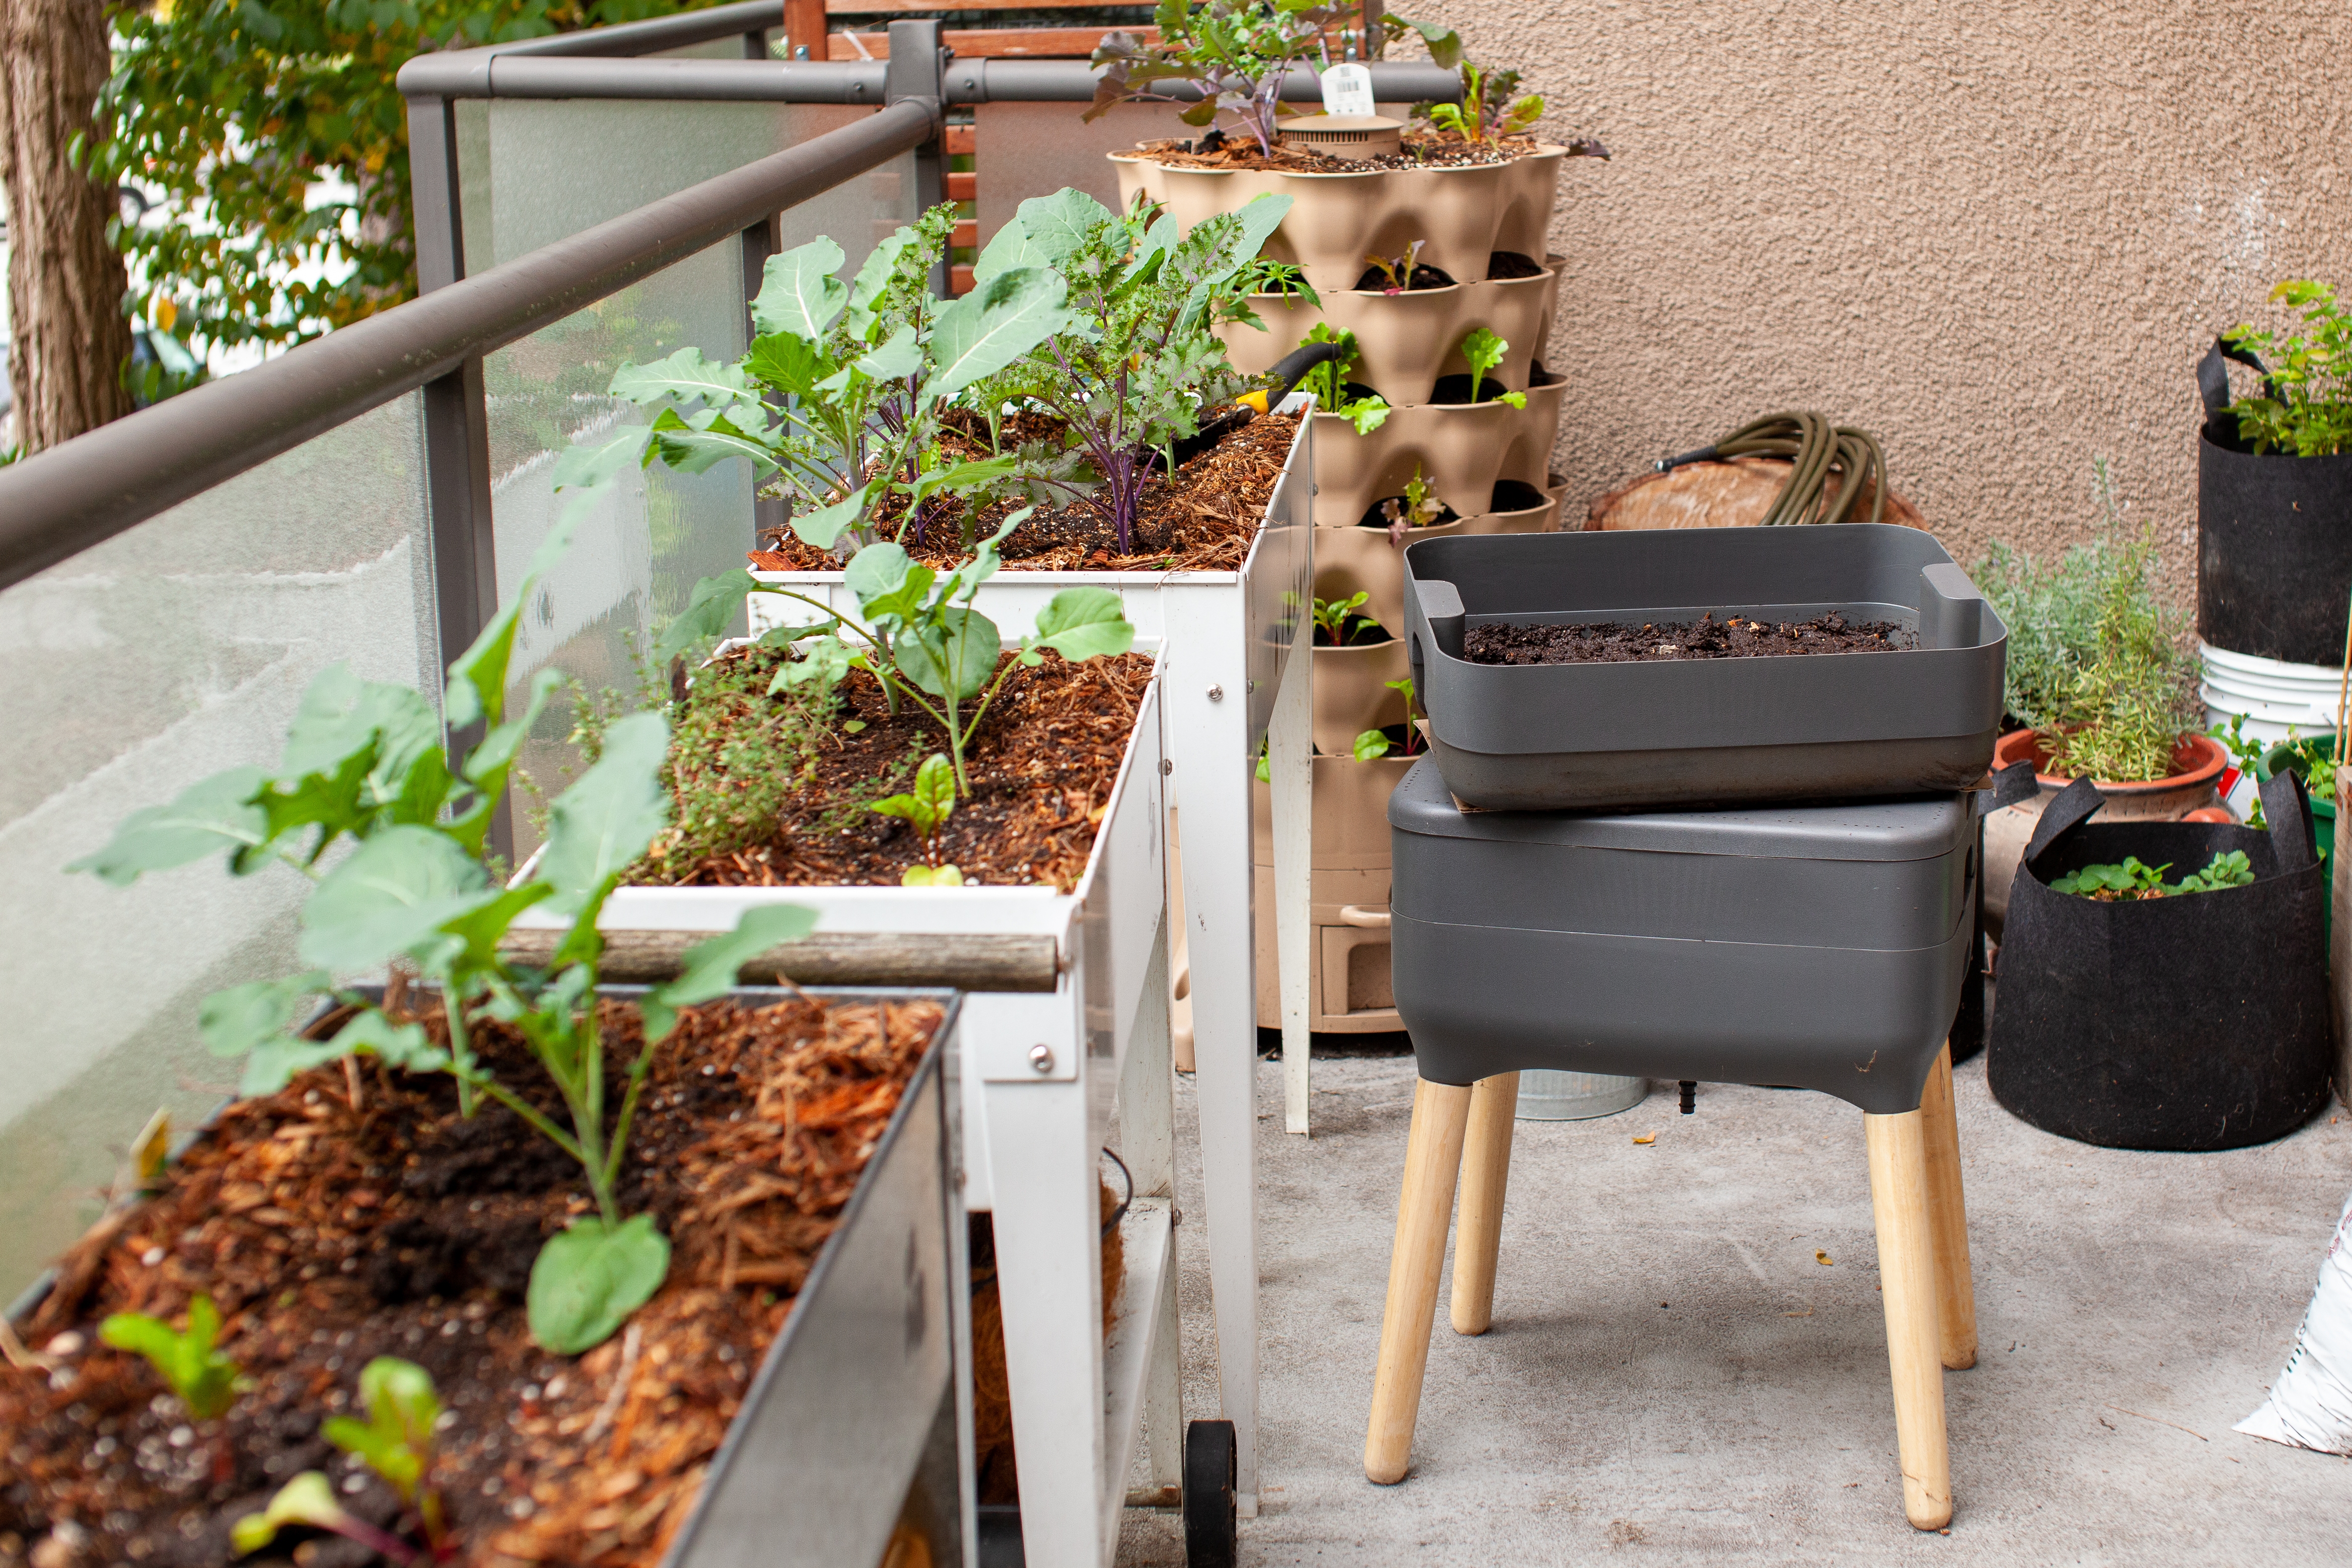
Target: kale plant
(838,398)
(1233,52)
(1134,360)
(2305,407)
(365,770)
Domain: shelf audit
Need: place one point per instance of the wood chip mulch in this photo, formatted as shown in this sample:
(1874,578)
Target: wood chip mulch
(1042,768)
(1206,522)
(329,1234)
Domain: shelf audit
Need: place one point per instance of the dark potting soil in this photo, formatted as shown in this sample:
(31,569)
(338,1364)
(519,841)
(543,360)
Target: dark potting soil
(1362,632)
(1609,642)
(1505,264)
(342,1219)
(1425,276)
(1205,521)
(1423,150)
(798,804)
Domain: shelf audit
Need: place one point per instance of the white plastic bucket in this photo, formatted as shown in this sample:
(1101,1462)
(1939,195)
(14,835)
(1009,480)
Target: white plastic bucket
(2269,697)
(1548,1095)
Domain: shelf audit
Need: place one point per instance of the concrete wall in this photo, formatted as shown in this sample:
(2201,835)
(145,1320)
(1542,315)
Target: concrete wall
(1997,237)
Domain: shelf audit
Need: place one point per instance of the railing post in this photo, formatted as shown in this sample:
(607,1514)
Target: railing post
(761,241)
(918,69)
(457,422)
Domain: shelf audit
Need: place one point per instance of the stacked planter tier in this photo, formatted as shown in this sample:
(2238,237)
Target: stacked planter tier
(1348,898)
(1462,215)
(1351,561)
(1462,449)
(1228,682)
(1404,343)
(1030,1135)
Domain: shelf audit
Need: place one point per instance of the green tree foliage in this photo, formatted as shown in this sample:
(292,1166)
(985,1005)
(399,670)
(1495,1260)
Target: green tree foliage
(234,114)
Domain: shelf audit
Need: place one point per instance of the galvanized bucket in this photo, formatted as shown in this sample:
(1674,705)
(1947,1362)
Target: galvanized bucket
(1546,1095)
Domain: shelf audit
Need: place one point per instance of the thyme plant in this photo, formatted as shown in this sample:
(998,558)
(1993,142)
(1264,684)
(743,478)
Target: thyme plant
(390,827)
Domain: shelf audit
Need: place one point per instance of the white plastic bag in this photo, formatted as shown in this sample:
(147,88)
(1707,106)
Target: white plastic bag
(2310,1405)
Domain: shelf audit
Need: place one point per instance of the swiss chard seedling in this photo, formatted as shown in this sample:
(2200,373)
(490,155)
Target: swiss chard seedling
(395,1441)
(1397,269)
(1337,620)
(926,807)
(364,768)
(206,1380)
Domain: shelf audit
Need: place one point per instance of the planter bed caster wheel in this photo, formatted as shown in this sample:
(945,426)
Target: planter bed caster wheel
(1211,1528)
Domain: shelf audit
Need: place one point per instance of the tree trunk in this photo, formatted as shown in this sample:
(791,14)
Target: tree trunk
(66,283)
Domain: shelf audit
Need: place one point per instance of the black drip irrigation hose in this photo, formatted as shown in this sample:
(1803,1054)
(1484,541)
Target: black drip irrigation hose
(1816,449)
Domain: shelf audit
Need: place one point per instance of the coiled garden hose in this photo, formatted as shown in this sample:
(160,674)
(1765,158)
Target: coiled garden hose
(1818,450)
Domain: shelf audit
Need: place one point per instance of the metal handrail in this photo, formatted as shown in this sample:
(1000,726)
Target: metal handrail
(72,496)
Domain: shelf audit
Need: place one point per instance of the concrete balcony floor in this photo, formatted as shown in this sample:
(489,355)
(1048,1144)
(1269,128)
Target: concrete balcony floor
(1673,1374)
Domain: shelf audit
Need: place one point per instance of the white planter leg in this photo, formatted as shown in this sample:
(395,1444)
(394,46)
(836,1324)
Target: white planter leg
(1147,1132)
(1049,1278)
(1209,737)
(1290,745)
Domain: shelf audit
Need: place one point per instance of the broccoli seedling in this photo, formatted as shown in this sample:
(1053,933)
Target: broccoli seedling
(206,1380)
(926,807)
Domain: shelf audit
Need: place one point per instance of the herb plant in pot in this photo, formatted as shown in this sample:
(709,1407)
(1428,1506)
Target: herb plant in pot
(2099,681)
(528,1229)
(2275,486)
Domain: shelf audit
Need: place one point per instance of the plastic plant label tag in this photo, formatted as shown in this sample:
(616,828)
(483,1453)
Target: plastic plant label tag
(1347,89)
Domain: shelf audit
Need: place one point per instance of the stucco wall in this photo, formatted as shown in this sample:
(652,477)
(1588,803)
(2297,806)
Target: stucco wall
(1997,237)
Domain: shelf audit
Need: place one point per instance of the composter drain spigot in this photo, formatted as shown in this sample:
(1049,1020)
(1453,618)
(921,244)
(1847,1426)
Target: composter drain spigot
(1690,1095)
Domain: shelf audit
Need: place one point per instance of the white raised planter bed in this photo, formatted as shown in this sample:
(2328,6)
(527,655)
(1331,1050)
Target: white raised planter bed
(1040,1071)
(1235,672)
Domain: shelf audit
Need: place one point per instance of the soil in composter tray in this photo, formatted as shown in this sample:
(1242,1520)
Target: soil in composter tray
(1420,152)
(1205,521)
(1609,642)
(769,794)
(329,1232)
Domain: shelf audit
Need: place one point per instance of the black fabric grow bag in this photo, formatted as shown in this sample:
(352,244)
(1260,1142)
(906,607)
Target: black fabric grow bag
(2273,538)
(2186,1022)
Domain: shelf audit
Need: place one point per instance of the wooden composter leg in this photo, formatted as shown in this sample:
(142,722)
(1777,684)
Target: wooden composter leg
(1433,1158)
(1485,1171)
(1948,1219)
(1906,1277)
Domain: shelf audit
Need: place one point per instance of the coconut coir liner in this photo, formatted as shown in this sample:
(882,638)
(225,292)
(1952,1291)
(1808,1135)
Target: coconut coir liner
(1042,768)
(328,1235)
(1206,522)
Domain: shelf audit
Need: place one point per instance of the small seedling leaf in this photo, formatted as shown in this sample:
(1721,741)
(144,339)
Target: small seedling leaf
(709,966)
(1081,623)
(1371,746)
(588,1279)
(308,1499)
(930,877)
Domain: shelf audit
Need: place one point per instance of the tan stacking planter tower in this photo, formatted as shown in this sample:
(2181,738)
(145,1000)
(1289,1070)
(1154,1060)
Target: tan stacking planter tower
(1465,214)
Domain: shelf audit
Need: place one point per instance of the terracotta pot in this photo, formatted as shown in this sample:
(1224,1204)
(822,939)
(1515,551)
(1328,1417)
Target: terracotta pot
(1351,694)
(1350,561)
(1405,342)
(2197,765)
(1463,449)
(1462,215)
